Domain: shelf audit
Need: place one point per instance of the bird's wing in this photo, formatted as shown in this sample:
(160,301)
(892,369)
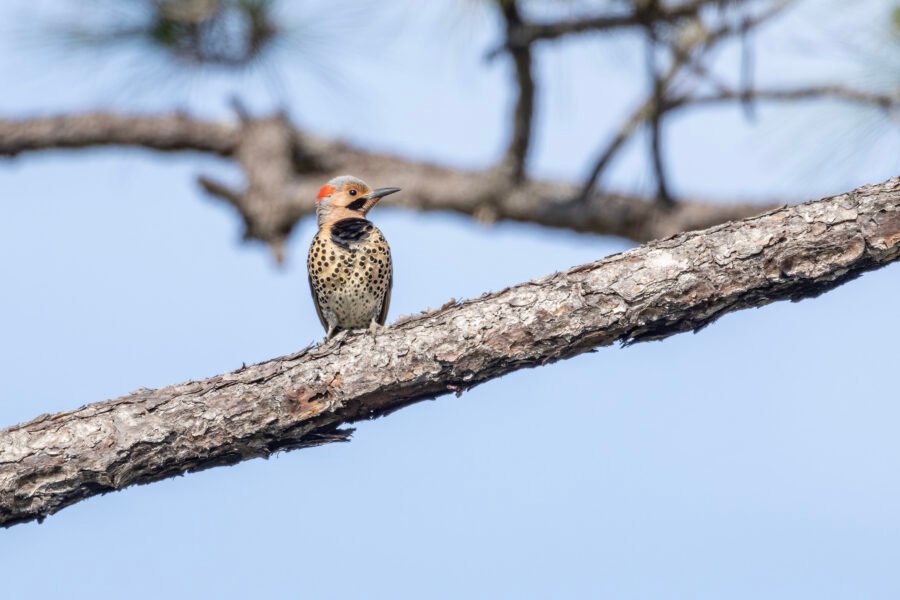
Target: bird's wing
(386,304)
(312,291)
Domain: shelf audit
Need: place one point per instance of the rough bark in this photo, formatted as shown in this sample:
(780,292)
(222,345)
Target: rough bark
(674,285)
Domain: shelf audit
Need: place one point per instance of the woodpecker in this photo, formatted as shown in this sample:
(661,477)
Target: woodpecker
(349,262)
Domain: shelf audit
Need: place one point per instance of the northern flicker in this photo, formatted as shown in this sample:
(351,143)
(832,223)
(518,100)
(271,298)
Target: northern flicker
(349,263)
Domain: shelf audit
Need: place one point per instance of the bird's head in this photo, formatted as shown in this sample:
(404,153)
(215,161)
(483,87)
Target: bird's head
(345,197)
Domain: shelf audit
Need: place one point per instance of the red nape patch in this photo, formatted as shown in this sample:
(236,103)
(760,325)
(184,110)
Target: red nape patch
(326,190)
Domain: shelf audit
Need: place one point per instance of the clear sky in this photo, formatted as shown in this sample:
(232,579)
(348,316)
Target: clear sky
(758,458)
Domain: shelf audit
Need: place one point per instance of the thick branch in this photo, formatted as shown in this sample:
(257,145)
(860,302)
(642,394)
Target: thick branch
(666,287)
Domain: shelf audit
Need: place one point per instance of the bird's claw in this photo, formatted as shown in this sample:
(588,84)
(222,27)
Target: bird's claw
(336,333)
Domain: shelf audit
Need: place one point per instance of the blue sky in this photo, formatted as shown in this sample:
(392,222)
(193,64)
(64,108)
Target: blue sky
(758,458)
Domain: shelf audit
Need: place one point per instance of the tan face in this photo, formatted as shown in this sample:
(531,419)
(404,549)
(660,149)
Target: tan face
(350,194)
(347,197)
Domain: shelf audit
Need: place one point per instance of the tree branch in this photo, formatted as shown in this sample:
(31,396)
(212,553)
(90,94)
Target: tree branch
(530,33)
(674,285)
(884,101)
(657,96)
(274,200)
(517,153)
(694,37)
(167,133)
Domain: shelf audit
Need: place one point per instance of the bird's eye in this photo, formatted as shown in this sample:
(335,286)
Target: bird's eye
(352,192)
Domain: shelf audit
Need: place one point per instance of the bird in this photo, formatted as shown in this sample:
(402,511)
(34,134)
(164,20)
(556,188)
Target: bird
(349,261)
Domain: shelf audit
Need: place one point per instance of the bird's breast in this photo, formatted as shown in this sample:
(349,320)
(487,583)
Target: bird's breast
(350,272)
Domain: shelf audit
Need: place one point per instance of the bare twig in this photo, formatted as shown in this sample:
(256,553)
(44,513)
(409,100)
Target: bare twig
(634,18)
(658,91)
(514,161)
(884,101)
(695,38)
(646,111)
(666,287)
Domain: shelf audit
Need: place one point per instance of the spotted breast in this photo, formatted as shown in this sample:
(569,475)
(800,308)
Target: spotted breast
(350,275)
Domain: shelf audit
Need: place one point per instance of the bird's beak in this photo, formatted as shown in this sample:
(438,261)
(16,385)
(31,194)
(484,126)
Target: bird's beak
(374,196)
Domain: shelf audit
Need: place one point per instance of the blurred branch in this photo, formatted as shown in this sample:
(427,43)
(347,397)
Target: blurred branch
(528,33)
(168,133)
(885,101)
(285,167)
(692,36)
(692,40)
(651,109)
(266,153)
(658,92)
(517,153)
(652,292)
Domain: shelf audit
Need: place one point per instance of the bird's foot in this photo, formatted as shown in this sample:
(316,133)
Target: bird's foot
(375,328)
